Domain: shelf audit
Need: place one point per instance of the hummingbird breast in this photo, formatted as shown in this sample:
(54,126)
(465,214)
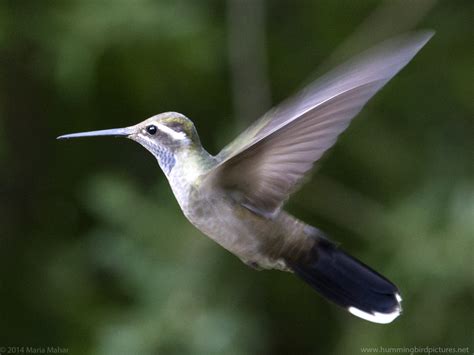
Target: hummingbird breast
(258,241)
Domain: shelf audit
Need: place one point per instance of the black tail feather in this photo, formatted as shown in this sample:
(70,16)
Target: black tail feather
(349,283)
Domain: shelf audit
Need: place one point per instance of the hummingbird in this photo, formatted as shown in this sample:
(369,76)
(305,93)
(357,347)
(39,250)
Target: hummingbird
(236,197)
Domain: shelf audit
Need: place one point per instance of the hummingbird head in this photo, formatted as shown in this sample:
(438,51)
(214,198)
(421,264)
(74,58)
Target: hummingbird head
(170,130)
(164,135)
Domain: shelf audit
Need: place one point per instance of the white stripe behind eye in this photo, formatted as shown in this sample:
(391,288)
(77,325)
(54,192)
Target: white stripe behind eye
(171,132)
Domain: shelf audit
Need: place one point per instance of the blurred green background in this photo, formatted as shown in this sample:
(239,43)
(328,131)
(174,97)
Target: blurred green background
(95,255)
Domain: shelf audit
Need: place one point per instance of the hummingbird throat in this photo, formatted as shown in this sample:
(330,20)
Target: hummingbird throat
(165,158)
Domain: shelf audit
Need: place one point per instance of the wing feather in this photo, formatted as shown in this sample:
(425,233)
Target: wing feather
(269,160)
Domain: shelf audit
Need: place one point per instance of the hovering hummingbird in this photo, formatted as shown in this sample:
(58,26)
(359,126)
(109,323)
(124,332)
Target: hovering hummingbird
(236,197)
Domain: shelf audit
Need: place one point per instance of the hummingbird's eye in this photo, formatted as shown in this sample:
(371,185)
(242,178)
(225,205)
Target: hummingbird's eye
(151,129)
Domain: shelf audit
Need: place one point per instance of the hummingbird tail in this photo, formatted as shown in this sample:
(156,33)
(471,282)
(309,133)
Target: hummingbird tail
(349,283)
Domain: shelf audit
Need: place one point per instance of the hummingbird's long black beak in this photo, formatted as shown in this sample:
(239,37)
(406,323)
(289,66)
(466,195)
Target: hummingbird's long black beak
(116,132)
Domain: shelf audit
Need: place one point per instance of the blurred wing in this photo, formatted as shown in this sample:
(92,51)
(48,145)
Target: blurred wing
(266,163)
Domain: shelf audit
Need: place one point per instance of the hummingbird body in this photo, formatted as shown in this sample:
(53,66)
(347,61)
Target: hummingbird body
(259,242)
(236,197)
